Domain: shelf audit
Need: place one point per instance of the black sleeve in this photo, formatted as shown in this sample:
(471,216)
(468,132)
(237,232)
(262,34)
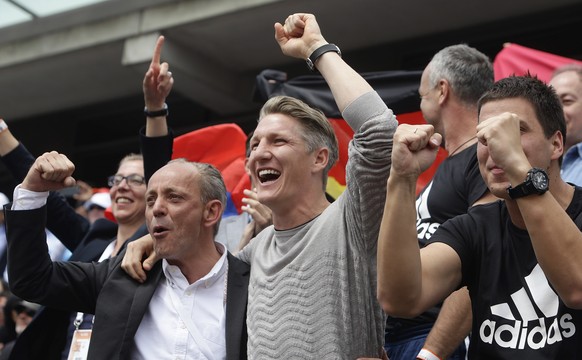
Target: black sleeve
(156,151)
(63,221)
(34,277)
(458,234)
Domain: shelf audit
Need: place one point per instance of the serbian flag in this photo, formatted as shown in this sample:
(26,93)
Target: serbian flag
(515,59)
(223,146)
(398,89)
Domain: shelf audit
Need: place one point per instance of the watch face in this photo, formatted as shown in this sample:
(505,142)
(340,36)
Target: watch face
(540,180)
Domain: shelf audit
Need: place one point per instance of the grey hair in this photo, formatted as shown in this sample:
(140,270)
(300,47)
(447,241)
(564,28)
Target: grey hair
(468,71)
(567,68)
(131,157)
(211,184)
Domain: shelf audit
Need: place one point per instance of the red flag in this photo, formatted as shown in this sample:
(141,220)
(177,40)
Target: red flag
(518,60)
(223,146)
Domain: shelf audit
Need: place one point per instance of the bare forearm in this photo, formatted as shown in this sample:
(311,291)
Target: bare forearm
(156,127)
(399,267)
(345,83)
(452,326)
(557,242)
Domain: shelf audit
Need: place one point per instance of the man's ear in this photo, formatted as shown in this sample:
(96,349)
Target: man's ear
(247,170)
(557,141)
(321,159)
(212,212)
(444,89)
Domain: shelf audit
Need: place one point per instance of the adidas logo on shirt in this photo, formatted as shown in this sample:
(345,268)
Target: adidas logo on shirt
(424,229)
(522,327)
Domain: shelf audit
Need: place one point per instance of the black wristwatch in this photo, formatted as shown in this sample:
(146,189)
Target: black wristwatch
(536,182)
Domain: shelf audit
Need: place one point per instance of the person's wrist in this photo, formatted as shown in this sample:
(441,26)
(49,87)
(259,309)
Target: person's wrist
(156,111)
(3,126)
(316,45)
(318,52)
(426,354)
(518,172)
(403,180)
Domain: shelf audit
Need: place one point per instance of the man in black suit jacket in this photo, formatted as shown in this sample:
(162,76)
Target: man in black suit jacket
(48,336)
(184,204)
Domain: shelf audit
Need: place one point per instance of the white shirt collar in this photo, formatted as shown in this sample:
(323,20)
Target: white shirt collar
(174,274)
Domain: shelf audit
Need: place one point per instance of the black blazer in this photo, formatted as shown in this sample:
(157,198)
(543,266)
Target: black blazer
(62,220)
(45,337)
(103,289)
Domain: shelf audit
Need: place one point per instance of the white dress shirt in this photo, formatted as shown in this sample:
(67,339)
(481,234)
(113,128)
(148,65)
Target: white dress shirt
(163,334)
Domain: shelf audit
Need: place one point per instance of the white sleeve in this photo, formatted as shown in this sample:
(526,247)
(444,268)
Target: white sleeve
(28,200)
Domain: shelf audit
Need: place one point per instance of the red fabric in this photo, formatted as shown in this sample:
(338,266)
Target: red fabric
(223,146)
(517,60)
(218,145)
(344,134)
(109,215)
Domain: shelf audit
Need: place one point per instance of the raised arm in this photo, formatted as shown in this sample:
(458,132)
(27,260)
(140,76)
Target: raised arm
(411,280)
(156,145)
(62,220)
(299,37)
(157,84)
(33,276)
(7,141)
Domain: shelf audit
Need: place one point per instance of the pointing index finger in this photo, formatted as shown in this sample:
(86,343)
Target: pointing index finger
(158,51)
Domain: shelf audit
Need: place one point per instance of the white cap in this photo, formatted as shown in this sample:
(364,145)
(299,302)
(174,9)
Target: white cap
(101,199)
(3,199)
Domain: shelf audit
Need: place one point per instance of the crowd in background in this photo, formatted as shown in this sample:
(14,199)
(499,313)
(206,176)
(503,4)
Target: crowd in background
(374,274)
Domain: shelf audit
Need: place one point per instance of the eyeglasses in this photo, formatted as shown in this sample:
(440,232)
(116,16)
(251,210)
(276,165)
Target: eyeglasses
(132,180)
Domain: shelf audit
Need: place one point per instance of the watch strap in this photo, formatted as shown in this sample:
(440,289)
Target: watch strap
(527,187)
(157,113)
(320,51)
(520,190)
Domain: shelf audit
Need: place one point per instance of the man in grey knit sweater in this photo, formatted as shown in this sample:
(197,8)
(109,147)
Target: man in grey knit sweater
(312,290)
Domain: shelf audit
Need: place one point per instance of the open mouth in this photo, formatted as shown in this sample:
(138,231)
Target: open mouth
(267,175)
(159,230)
(123,200)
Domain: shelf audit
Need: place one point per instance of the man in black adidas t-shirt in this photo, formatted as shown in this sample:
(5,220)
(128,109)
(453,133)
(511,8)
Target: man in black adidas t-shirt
(519,258)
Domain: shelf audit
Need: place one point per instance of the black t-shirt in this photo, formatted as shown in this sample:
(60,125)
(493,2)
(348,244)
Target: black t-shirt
(516,313)
(456,185)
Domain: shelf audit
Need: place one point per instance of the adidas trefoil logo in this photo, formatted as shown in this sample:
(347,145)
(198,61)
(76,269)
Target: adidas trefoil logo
(527,329)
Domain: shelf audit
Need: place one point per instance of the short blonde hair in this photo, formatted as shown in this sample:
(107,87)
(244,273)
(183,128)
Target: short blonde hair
(316,126)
